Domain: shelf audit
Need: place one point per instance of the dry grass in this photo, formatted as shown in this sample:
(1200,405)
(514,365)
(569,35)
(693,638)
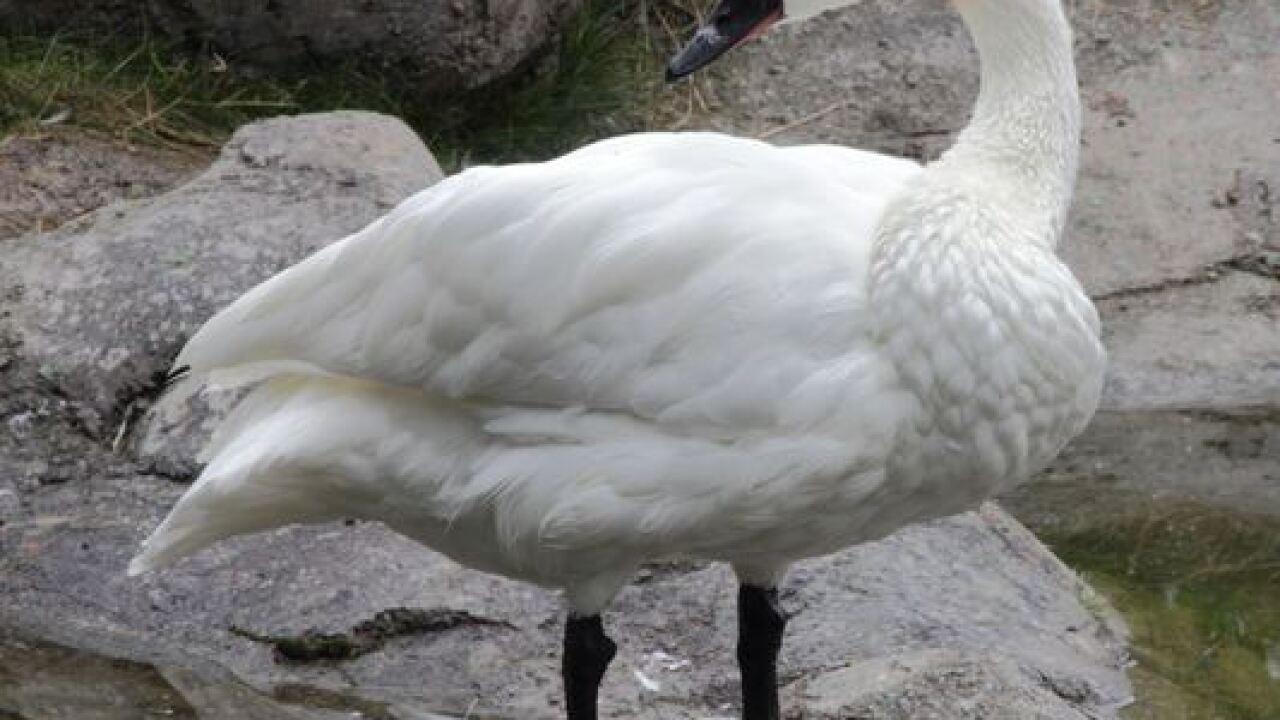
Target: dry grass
(143,92)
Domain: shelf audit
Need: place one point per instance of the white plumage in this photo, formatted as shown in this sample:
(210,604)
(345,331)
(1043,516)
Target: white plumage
(673,344)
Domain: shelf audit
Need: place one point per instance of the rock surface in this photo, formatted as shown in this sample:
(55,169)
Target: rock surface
(1175,231)
(968,613)
(960,618)
(101,306)
(435,46)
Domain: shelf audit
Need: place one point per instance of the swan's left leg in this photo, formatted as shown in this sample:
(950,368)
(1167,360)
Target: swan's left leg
(760,625)
(587,654)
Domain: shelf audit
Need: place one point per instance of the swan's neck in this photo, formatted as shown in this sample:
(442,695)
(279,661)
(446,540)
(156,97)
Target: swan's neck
(994,342)
(1023,140)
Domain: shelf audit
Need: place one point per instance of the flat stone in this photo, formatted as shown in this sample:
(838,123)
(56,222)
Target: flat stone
(1205,344)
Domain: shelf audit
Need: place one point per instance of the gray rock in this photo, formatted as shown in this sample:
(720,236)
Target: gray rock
(1209,343)
(934,684)
(100,307)
(435,46)
(972,610)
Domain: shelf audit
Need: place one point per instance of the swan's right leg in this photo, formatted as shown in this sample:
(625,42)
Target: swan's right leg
(587,650)
(587,653)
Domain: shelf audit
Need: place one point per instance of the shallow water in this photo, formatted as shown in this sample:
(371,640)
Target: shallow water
(45,681)
(1198,584)
(41,680)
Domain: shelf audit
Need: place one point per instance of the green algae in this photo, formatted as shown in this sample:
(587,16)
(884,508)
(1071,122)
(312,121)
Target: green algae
(1199,587)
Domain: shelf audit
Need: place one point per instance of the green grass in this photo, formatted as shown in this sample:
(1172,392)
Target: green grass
(600,79)
(1200,589)
(141,92)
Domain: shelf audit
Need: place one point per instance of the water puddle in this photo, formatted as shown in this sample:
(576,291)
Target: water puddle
(45,681)
(40,680)
(1199,586)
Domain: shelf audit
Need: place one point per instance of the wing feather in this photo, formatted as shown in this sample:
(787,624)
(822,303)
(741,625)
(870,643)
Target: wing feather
(637,274)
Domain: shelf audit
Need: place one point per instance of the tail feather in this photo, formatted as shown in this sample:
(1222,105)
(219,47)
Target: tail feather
(269,465)
(224,506)
(305,449)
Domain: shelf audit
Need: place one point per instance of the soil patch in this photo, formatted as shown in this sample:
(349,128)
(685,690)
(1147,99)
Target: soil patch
(51,177)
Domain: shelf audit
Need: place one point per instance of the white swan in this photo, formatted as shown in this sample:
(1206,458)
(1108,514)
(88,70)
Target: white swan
(674,344)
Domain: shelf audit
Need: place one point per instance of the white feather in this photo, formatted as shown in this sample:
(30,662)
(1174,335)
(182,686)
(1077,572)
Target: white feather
(672,344)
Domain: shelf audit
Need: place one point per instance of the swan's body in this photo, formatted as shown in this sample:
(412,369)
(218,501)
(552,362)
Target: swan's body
(673,344)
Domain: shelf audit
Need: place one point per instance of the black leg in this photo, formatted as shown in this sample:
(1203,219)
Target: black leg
(760,625)
(587,653)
